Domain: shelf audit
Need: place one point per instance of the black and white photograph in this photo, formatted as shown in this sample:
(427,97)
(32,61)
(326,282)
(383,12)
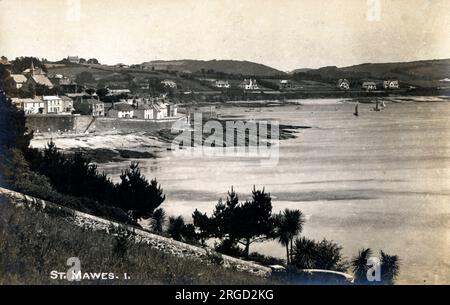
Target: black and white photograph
(259,143)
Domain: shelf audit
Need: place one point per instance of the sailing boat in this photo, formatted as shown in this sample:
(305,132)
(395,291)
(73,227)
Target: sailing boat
(377,106)
(356,110)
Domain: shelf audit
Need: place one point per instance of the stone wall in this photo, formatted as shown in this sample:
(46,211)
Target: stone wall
(50,123)
(85,123)
(132,125)
(161,243)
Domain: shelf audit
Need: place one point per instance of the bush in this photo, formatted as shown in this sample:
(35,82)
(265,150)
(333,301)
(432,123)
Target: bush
(309,254)
(265,259)
(228,247)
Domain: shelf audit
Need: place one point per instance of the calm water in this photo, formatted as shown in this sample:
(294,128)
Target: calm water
(380,180)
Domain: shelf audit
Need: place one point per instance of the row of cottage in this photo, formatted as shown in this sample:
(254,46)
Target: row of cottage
(251,84)
(344,84)
(84,104)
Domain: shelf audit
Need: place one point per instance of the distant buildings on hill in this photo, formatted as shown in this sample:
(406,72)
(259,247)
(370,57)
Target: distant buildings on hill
(249,84)
(222,84)
(343,84)
(73,59)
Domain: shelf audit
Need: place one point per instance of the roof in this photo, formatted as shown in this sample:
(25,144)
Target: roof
(42,80)
(161,104)
(17,100)
(144,107)
(123,107)
(155,107)
(66,98)
(19,78)
(118,91)
(82,94)
(51,97)
(249,81)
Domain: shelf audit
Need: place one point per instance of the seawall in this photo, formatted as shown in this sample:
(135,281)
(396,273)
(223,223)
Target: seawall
(78,124)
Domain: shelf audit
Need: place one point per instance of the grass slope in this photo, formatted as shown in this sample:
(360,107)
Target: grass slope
(33,244)
(225,66)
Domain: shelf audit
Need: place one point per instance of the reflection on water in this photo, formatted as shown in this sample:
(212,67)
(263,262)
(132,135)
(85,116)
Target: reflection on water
(379,180)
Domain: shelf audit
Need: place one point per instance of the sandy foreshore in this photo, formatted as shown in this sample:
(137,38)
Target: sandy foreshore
(106,147)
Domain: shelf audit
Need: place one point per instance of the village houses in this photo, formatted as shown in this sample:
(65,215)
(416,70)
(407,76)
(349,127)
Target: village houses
(19,80)
(343,84)
(285,84)
(45,105)
(143,111)
(34,105)
(369,86)
(121,111)
(112,92)
(169,83)
(30,78)
(73,59)
(89,105)
(249,84)
(222,84)
(391,84)
(53,104)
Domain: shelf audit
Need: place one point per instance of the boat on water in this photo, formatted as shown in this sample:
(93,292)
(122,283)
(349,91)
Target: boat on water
(377,106)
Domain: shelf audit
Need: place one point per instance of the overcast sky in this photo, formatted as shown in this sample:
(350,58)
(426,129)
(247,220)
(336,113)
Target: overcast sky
(285,34)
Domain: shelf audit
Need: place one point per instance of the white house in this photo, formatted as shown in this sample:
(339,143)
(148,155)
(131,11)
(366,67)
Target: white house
(53,104)
(343,84)
(249,84)
(285,84)
(158,111)
(390,84)
(369,86)
(121,110)
(73,59)
(118,91)
(30,105)
(222,84)
(169,83)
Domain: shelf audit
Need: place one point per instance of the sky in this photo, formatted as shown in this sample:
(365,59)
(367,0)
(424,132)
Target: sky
(284,34)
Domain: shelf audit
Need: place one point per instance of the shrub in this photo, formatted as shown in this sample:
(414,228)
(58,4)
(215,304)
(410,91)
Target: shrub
(309,254)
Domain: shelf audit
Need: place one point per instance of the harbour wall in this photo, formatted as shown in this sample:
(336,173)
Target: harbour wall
(80,124)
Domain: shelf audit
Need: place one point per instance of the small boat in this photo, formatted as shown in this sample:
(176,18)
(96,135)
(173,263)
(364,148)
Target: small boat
(377,107)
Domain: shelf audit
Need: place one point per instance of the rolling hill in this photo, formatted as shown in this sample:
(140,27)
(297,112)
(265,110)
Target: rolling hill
(225,66)
(425,73)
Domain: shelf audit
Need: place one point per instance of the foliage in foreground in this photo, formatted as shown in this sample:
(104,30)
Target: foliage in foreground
(33,244)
